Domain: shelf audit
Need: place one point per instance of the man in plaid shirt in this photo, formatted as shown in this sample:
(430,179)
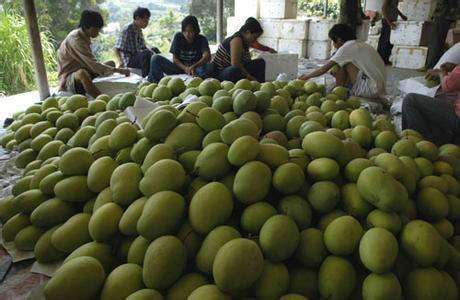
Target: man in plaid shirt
(130,46)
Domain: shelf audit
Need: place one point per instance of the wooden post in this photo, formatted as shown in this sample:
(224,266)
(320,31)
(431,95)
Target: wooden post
(219,21)
(325,8)
(37,51)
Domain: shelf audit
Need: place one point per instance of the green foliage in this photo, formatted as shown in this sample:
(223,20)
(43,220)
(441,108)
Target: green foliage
(58,16)
(17,71)
(205,11)
(316,8)
(161,32)
(103,46)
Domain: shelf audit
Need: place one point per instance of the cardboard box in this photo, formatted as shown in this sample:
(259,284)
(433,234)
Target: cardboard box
(247,8)
(409,57)
(291,46)
(278,9)
(410,33)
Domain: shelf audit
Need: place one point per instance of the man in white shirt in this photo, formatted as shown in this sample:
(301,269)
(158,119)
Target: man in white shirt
(360,67)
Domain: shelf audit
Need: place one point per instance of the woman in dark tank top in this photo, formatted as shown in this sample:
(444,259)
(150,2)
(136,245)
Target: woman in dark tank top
(233,62)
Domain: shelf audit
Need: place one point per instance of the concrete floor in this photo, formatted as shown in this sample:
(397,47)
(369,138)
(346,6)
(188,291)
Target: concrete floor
(20,102)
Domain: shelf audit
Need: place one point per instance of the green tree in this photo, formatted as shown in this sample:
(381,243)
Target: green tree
(60,17)
(16,64)
(205,11)
(161,31)
(315,8)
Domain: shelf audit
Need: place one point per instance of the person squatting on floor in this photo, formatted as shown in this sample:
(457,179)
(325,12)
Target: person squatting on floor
(190,52)
(130,47)
(77,66)
(360,67)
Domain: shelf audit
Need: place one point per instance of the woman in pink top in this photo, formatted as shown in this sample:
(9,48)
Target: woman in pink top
(437,119)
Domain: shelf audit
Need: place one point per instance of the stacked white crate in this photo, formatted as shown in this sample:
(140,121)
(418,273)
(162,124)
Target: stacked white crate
(410,37)
(278,9)
(278,19)
(319,45)
(293,37)
(247,8)
(234,24)
(417,10)
(282,32)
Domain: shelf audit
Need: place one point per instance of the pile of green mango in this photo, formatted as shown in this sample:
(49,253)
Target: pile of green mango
(254,191)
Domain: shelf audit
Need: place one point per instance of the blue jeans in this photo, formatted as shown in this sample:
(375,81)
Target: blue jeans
(255,67)
(160,65)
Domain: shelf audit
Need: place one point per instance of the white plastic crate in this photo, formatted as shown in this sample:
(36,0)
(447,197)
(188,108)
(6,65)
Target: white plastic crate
(271,27)
(280,63)
(319,30)
(417,10)
(234,24)
(294,29)
(409,57)
(278,9)
(270,42)
(410,33)
(319,49)
(247,8)
(291,46)
(373,40)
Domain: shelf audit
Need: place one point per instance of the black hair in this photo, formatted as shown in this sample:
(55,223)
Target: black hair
(91,18)
(251,25)
(141,13)
(191,21)
(343,32)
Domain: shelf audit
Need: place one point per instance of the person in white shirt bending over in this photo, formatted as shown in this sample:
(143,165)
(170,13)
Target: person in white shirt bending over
(358,66)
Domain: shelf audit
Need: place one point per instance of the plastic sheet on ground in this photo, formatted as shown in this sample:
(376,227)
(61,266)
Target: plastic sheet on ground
(20,282)
(46,269)
(417,85)
(16,254)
